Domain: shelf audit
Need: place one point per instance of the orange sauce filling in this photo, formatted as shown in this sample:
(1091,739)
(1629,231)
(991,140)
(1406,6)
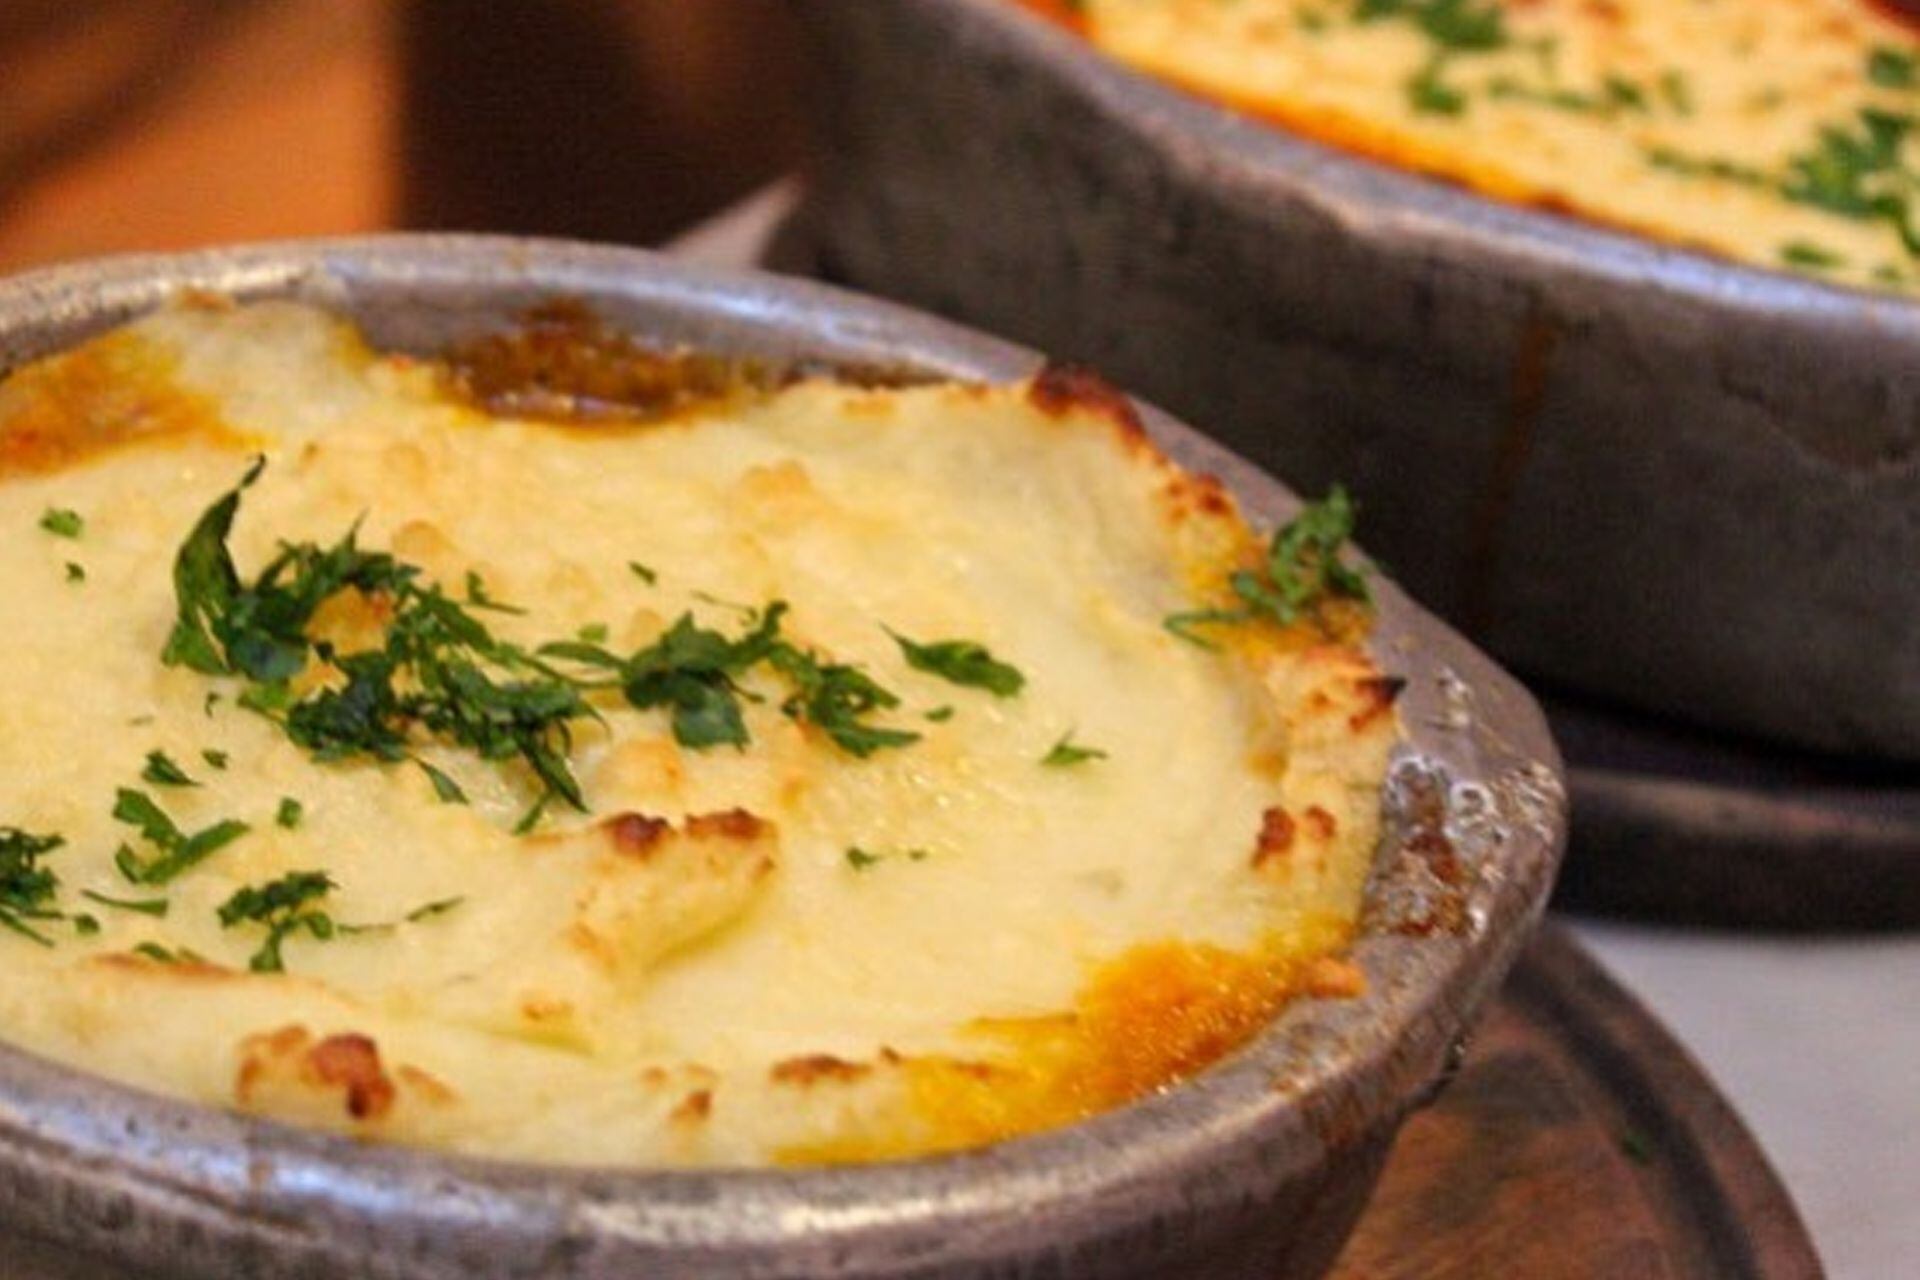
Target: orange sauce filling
(112,392)
(1155,1015)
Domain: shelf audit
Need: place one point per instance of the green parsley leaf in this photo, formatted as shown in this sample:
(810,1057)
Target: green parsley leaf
(205,584)
(478,598)
(862,859)
(1802,253)
(289,814)
(215,759)
(1858,171)
(1461,25)
(445,788)
(1677,90)
(76,572)
(1893,68)
(962,662)
(643,573)
(1303,570)
(62,523)
(693,670)
(432,909)
(1428,95)
(415,916)
(593,633)
(177,851)
(27,888)
(163,772)
(162,955)
(284,907)
(144,906)
(1066,753)
(939,715)
(836,699)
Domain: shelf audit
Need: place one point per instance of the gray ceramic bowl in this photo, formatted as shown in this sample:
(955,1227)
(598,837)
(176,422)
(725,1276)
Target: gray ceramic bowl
(1680,484)
(1255,1169)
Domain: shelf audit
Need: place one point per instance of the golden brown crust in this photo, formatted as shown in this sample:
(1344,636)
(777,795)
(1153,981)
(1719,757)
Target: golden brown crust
(1060,389)
(817,1068)
(693,1108)
(636,835)
(1275,840)
(289,1059)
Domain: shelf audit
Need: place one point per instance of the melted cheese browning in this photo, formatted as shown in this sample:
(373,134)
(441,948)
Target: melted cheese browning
(1780,132)
(696,970)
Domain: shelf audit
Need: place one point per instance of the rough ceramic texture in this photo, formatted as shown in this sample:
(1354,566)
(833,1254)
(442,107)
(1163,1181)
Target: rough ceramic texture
(1684,485)
(1257,1169)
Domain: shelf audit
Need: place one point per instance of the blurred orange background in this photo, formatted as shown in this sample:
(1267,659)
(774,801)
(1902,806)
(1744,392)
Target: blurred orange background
(160,124)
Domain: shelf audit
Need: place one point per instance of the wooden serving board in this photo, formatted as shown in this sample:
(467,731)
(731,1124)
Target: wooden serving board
(1578,1142)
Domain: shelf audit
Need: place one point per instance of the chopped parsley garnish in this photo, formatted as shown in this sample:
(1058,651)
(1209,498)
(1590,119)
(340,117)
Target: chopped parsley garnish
(642,572)
(431,910)
(1428,95)
(1857,171)
(161,955)
(863,859)
(1706,167)
(836,699)
(293,904)
(284,907)
(440,672)
(1462,25)
(290,813)
(939,715)
(76,572)
(215,759)
(163,772)
(175,851)
(1303,570)
(62,523)
(414,916)
(1067,752)
(156,907)
(1677,90)
(593,633)
(1893,68)
(26,887)
(962,662)
(693,670)
(1800,253)
(445,788)
(478,598)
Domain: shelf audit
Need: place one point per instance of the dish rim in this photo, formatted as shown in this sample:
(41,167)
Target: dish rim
(1243,155)
(1322,1075)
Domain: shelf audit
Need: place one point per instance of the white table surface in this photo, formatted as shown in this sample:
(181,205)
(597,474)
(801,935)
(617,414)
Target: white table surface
(1816,1042)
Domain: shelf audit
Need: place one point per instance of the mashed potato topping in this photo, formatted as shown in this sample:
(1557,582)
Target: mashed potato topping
(793,771)
(1780,132)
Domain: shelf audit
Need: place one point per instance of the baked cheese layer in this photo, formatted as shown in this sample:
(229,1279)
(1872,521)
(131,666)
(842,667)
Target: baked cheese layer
(1027,907)
(1777,132)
